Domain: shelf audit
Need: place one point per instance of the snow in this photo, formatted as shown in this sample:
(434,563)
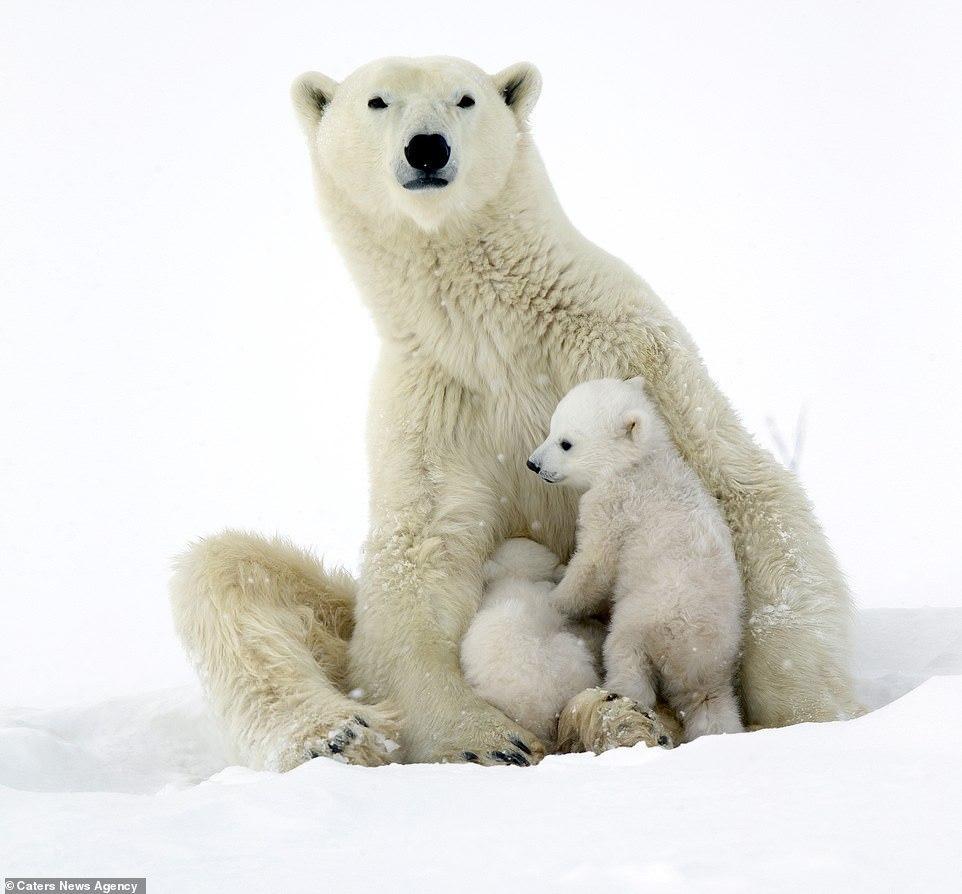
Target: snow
(139,786)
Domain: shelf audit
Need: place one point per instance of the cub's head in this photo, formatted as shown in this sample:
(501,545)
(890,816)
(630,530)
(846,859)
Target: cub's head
(429,139)
(597,428)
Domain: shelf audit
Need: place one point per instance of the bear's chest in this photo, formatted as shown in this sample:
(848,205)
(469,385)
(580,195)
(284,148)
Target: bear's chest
(491,348)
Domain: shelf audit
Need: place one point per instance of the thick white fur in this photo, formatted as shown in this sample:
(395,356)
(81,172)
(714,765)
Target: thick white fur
(490,306)
(652,539)
(520,653)
(268,628)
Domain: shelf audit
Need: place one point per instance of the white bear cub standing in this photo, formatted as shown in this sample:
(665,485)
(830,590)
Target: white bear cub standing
(520,653)
(653,539)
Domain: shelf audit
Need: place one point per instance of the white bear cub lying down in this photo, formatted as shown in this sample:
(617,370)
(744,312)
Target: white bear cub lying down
(652,539)
(520,653)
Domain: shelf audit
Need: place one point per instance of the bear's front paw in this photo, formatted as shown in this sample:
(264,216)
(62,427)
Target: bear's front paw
(366,737)
(597,720)
(485,736)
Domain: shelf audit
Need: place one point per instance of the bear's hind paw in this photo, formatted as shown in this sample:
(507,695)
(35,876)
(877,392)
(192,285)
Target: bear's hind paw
(363,738)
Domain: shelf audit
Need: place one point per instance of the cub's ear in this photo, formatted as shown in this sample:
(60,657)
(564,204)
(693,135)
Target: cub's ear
(637,382)
(520,86)
(311,93)
(633,423)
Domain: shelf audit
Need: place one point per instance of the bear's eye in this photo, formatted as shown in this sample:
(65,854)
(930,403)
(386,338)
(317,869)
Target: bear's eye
(465,102)
(375,102)
(566,445)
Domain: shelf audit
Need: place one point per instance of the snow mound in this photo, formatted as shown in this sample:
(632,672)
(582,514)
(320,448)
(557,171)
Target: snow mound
(137,744)
(140,786)
(899,649)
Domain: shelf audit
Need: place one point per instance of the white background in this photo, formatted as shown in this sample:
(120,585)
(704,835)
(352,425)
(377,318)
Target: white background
(181,349)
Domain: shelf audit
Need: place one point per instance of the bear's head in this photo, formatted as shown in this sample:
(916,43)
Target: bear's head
(597,428)
(431,140)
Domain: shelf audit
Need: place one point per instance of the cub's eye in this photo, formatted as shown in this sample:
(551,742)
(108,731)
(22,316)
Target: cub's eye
(566,445)
(375,102)
(465,102)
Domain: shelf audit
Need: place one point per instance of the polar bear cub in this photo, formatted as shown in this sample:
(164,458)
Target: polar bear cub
(652,539)
(520,653)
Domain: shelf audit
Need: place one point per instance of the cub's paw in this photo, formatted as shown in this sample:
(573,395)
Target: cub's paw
(597,720)
(365,736)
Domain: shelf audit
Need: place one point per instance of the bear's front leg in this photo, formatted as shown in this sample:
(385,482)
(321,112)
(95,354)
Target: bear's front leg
(418,592)
(434,521)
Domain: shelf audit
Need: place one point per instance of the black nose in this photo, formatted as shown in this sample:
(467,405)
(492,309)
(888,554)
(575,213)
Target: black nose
(533,466)
(427,152)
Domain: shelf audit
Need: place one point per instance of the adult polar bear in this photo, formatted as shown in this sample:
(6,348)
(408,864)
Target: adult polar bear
(490,306)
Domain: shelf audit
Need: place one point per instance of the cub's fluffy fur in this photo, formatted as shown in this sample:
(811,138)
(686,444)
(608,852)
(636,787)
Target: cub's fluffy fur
(653,538)
(520,653)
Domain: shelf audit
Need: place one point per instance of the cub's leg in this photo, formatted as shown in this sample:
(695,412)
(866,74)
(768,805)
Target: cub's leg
(267,628)
(628,670)
(587,581)
(715,711)
(697,663)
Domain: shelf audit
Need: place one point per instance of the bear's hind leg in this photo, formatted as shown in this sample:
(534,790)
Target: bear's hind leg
(267,628)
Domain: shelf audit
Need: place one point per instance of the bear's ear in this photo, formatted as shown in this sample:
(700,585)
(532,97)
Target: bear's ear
(520,86)
(311,93)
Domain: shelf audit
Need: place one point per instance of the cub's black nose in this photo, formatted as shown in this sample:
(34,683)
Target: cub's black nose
(533,466)
(427,152)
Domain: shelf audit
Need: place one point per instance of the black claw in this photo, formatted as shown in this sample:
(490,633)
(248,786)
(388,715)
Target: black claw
(663,740)
(471,757)
(519,744)
(349,733)
(315,754)
(518,759)
(359,719)
(514,758)
(611,696)
(335,746)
